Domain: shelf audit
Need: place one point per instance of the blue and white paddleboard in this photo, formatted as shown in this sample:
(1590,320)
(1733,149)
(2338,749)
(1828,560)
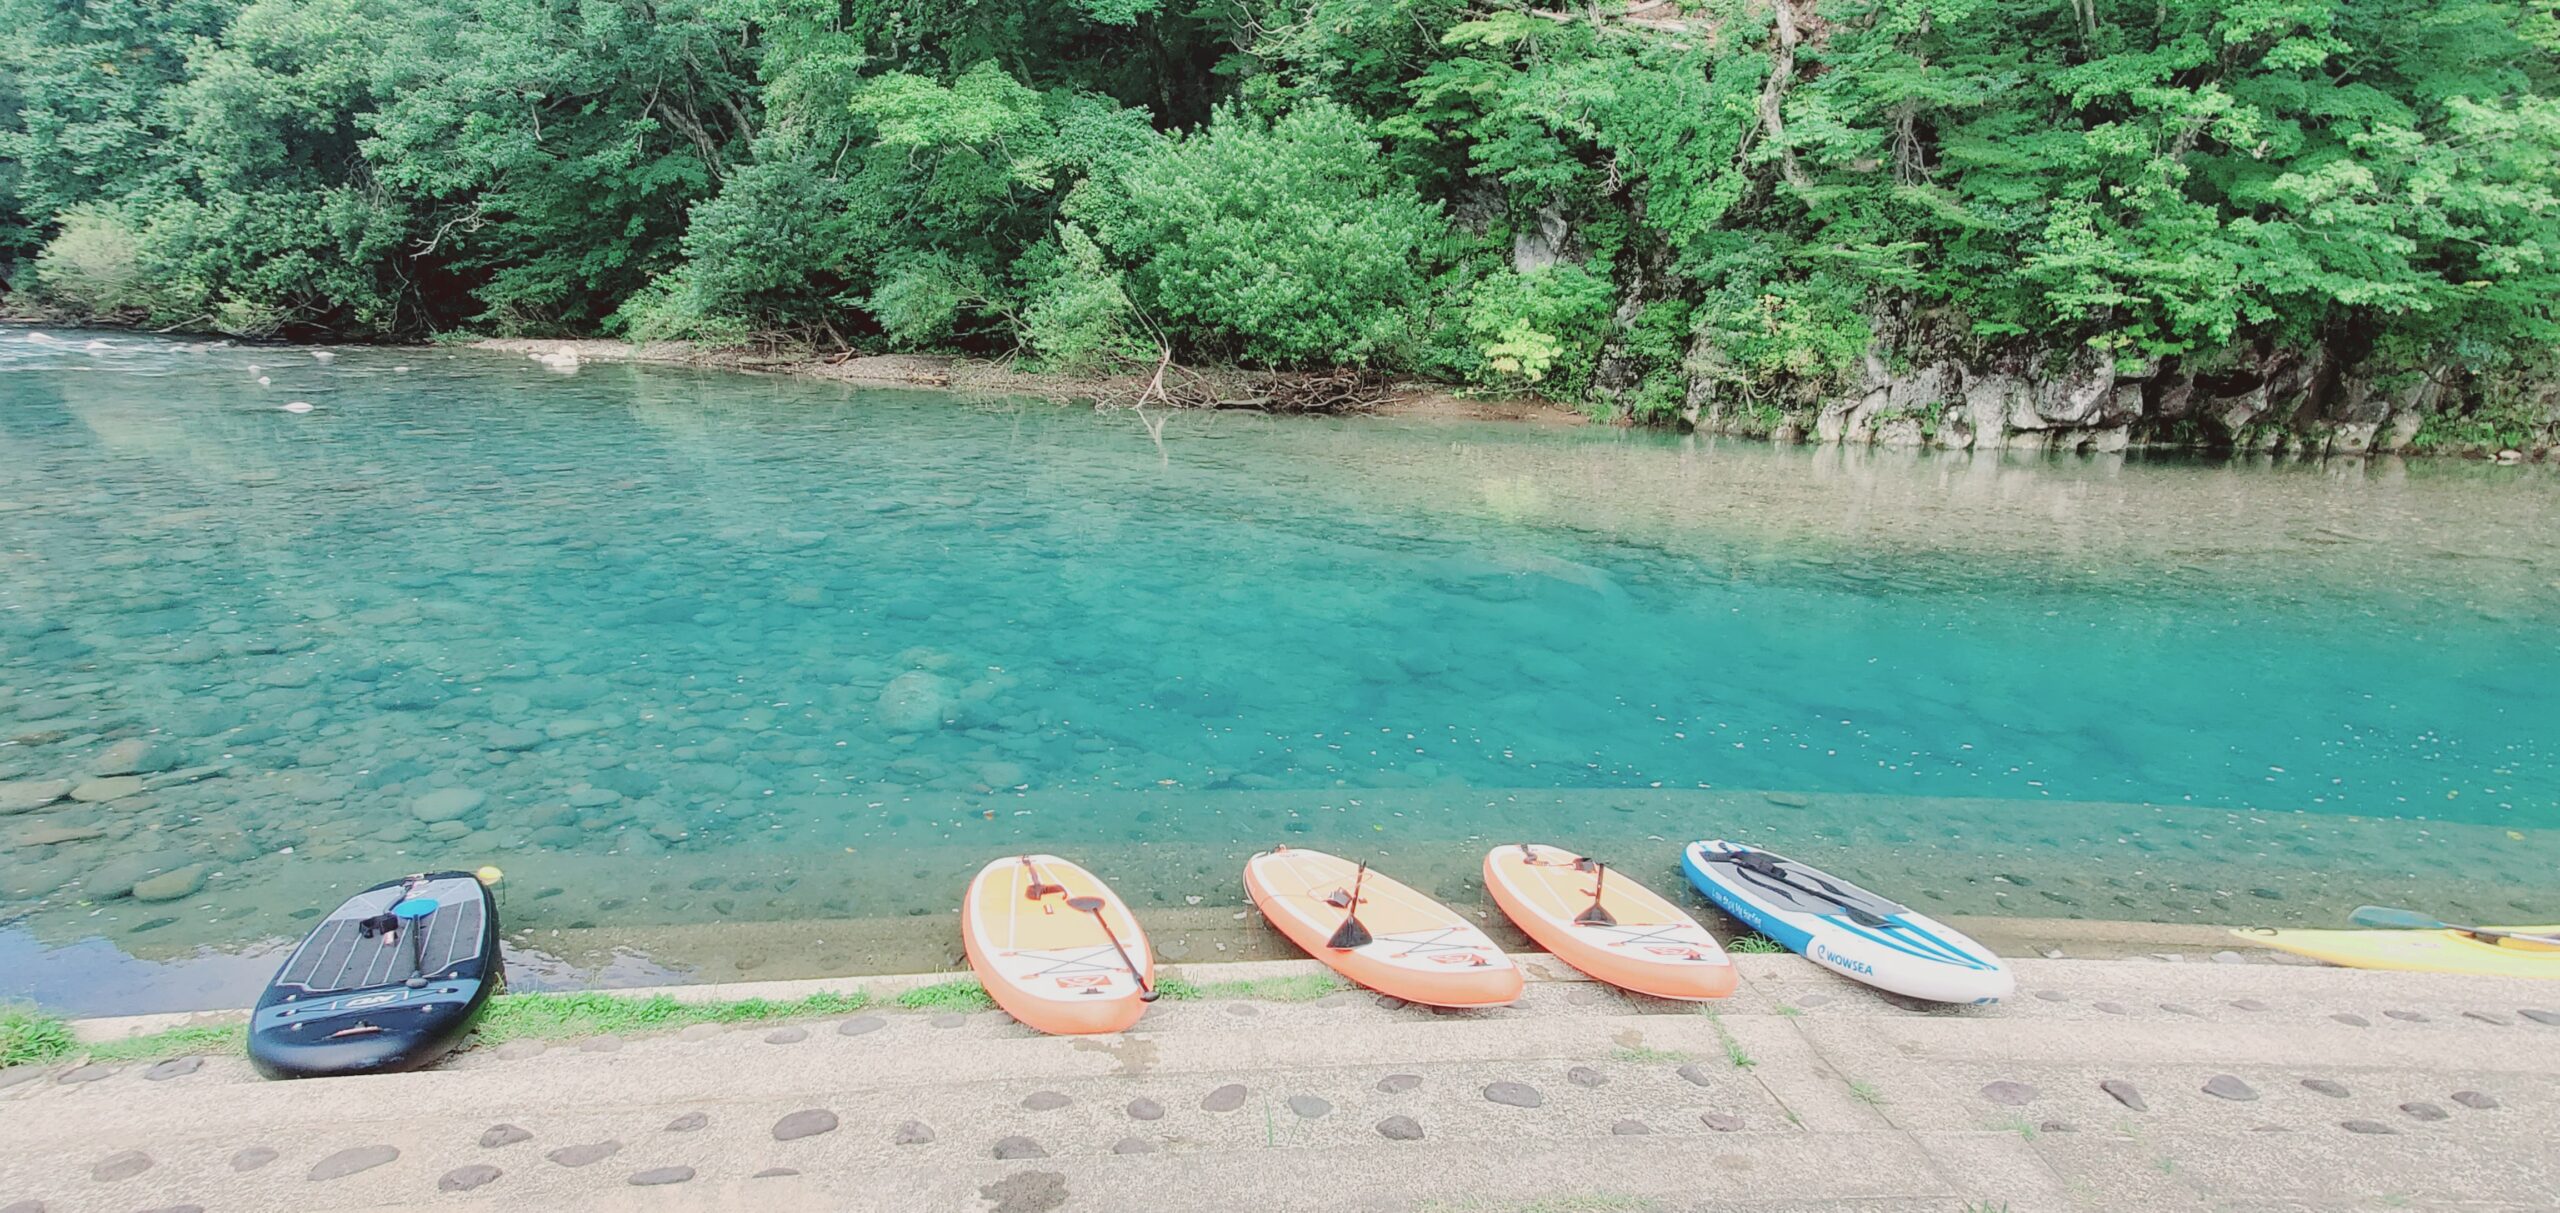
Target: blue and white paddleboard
(1844,928)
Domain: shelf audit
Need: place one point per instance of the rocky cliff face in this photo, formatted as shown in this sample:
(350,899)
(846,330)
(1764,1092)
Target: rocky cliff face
(2081,399)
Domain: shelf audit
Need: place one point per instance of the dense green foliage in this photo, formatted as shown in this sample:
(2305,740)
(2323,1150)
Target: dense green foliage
(1611,203)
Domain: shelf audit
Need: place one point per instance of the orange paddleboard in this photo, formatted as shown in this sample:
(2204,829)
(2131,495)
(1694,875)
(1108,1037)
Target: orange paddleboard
(1418,950)
(1639,940)
(1048,962)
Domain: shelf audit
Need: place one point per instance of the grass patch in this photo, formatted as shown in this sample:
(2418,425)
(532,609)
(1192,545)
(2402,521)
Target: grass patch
(958,994)
(28,1036)
(1754,944)
(31,1037)
(172,1043)
(594,1013)
(1305,987)
(1788,1011)
(1733,1050)
(1866,1093)
(1641,1053)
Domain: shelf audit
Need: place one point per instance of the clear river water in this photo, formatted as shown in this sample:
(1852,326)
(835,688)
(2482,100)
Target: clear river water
(740,675)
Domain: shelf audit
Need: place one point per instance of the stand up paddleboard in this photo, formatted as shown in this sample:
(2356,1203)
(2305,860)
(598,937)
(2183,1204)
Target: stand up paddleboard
(1056,947)
(2423,951)
(1845,928)
(1378,932)
(390,980)
(1606,925)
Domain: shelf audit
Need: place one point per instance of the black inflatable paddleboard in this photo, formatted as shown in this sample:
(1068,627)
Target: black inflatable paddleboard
(389,981)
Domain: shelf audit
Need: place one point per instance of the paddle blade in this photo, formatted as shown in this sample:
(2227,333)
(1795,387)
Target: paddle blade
(1350,935)
(1085,905)
(1595,917)
(1867,918)
(2395,918)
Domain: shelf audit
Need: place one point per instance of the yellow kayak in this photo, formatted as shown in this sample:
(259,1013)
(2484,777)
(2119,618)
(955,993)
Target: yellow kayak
(2419,951)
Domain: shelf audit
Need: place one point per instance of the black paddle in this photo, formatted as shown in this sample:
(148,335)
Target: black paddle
(1596,916)
(1093,906)
(1350,934)
(1766,866)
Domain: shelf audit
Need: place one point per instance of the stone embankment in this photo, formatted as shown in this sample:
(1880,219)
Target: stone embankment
(2103,1085)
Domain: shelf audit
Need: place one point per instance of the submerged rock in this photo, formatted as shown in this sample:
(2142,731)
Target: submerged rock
(914,702)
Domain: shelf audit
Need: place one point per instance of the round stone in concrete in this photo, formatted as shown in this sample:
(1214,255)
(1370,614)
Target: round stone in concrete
(700,1032)
(2053,996)
(1811,1001)
(465,1179)
(786,1036)
(658,1177)
(1391,1002)
(502,1135)
(601,1044)
(1309,1107)
(23,1206)
(2009,1094)
(1696,1074)
(2366,1126)
(2125,1094)
(1143,1108)
(518,1050)
(174,1067)
(1046,1101)
(1585,1076)
(2057,1126)
(2224,1086)
(1630,1128)
(2544,1017)
(775,1172)
(2111,1008)
(2491,1018)
(1133,1145)
(2179,1008)
(690,1122)
(2409,1016)
(912,1133)
(1225,1099)
(585,1154)
(1398,1084)
(948,1019)
(2479,1100)
(1400,1128)
(123,1164)
(1243,1008)
(808,1122)
(2323,1086)
(2248,1004)
(1019,1147)
(176,1209)
(861,1025)
(2351,1019)
(352,1160)
(88,1073)
(1722,1122)
(251,1159)
(1515,1094)
(2425,1111)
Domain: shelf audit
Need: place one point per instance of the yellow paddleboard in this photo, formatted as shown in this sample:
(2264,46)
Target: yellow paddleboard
(2419,951)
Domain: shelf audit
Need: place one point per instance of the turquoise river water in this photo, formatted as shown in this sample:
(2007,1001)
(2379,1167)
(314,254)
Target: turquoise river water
(740,674)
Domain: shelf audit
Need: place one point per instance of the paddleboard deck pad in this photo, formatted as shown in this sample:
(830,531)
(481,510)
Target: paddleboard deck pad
(1635,940)
(391,980)
(1844,928)
(2419,951)
(1047,962)
(1417,949)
